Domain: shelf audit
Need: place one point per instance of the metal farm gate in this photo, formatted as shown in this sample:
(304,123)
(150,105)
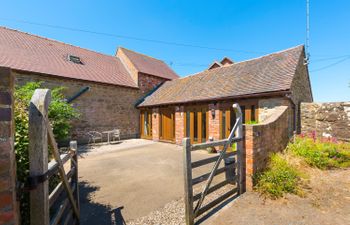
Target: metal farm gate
(233,162)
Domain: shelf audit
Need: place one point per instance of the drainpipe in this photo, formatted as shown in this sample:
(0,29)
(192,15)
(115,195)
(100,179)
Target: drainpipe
(78,94)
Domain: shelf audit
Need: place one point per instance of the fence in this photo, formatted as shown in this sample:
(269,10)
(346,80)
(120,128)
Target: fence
(61,205)
(231,163)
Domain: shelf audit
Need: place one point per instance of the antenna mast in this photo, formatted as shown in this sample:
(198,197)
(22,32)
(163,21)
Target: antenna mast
(307,41)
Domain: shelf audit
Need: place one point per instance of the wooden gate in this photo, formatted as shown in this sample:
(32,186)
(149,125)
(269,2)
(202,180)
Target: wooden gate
(61,205)
(233,161)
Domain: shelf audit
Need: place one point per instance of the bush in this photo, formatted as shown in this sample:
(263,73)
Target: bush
(279,178)
(60,115)
(323,154)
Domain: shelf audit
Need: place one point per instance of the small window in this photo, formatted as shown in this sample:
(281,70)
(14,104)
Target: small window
(252,115)
(223,125)
(75,59)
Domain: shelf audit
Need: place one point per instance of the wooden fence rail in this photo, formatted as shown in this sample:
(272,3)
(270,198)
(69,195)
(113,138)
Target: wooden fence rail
(61,205)
(191,211)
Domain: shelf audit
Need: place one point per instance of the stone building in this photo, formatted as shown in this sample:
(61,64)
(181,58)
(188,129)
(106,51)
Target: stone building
(142,96)
(200,106)
(105,88)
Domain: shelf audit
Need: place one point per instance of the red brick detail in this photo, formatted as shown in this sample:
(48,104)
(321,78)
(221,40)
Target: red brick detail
(8,205)
(5,114)
(5,98)
(214,122)
(147,82)
(5,199)
(179,124)
(7,217)
(260,141)
(5,129)
(155,124)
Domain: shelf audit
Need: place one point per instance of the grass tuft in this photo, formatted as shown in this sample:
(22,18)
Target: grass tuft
(280,177)
(322,154)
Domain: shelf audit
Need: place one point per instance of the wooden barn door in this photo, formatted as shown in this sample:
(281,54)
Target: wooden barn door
(167,124)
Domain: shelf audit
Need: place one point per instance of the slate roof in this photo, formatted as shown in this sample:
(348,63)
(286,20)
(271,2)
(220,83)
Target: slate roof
(150,65)
(270,73)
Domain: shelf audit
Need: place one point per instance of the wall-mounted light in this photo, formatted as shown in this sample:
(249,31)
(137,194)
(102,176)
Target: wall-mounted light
(213,113)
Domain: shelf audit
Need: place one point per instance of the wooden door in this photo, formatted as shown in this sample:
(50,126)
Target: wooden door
(167,124)
(196,123)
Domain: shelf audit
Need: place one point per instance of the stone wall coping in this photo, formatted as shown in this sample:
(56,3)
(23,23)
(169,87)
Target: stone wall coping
(275,116)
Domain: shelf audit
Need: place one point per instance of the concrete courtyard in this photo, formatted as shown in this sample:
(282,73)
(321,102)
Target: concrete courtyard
(129,180)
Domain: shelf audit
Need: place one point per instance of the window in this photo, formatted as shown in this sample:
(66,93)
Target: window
(188,124)
(204,126)
(252,113)
(160,125)
(223,125)
(243,113)
(75,59)
(145,129)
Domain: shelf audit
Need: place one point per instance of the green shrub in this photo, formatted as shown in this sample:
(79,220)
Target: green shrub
(251,122)
(279,178)
(322,154)
(60,115)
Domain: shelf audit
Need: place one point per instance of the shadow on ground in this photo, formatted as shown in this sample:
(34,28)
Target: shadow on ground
(95,213)
(83,149)
(216,209)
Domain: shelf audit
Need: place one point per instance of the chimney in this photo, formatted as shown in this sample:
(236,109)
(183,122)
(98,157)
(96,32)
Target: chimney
(214,65)
(226,61)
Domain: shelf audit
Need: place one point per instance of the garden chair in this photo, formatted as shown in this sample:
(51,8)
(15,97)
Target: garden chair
(116,135)
(94,136)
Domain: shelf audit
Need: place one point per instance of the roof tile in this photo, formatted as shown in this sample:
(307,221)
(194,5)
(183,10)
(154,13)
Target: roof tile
(269,73)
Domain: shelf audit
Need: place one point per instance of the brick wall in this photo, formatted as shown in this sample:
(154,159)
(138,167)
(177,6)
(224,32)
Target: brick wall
(326,119)
(148,82)
(155,124)
(214,122)
(8,205)
(263,139)
(103,107)
(179,124)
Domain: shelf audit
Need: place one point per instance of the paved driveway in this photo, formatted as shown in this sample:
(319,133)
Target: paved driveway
(130,179)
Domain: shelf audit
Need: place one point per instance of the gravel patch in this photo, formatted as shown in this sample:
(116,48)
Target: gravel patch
(173,213)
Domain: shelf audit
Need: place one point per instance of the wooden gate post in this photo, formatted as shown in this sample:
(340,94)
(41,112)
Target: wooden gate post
(240,153)
(189,215)
(38,156)
(73,145)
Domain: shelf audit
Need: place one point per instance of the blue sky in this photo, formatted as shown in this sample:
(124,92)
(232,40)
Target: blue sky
(245,28)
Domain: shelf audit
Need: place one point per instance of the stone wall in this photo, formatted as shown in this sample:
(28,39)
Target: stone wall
(326,119)
(8,205)
(269,106)
(262,140)
(301,89)
(103,107)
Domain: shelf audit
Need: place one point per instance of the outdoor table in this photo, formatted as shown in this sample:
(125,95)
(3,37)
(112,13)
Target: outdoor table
(108,134)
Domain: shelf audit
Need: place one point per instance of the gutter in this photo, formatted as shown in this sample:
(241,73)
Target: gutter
(282,93)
